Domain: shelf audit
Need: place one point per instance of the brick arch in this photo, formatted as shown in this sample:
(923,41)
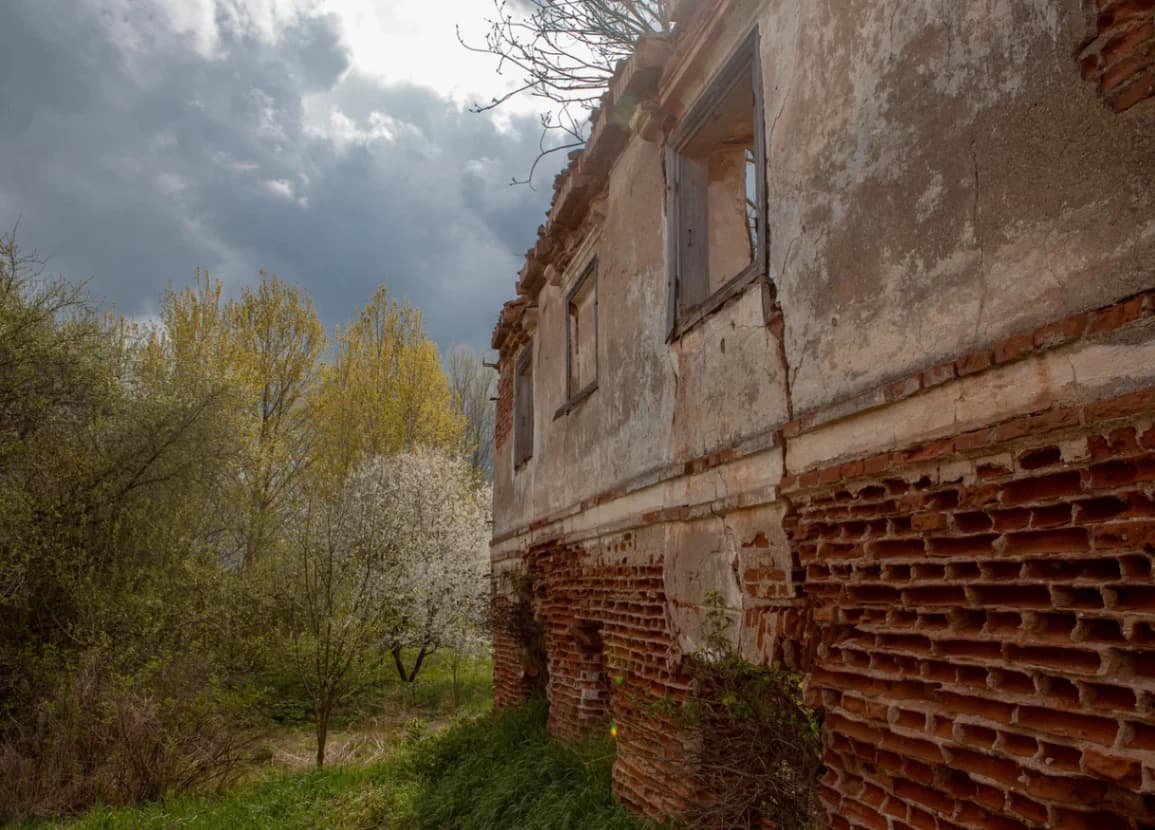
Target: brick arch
(1119,57)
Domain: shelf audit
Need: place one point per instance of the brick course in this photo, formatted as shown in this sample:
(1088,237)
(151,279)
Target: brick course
(1015,347)
(1120,58)
(982,616)
(611,655)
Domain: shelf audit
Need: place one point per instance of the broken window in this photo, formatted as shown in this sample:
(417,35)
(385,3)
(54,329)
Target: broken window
(523,409)
(582,335)
(715,169)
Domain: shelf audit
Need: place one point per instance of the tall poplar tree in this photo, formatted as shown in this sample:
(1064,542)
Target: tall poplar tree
(385,391)
(267,346)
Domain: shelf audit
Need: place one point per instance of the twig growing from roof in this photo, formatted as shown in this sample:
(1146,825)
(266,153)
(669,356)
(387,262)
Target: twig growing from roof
(566,51)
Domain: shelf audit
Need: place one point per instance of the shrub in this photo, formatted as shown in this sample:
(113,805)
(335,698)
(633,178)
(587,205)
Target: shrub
(756,757)
(100,740)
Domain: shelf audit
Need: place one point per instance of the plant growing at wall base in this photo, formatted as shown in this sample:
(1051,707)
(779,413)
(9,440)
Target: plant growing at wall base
(757,754)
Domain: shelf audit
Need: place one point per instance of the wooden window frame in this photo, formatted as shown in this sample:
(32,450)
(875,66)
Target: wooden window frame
(523,437)
(572,400)
(745,63)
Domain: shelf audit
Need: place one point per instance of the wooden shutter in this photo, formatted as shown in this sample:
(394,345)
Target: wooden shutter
(523,424)
(672,224)
(693,243)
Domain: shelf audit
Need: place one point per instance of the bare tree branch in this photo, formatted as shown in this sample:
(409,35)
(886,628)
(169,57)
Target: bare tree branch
(566,51)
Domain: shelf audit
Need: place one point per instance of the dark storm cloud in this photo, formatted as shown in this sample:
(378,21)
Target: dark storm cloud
(133,158)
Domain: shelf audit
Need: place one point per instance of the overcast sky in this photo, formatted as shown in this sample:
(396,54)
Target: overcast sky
(328,141)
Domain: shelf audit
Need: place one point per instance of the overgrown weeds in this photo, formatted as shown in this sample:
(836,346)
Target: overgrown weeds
(496,772)
(757,747)
(506,772)
(98,738)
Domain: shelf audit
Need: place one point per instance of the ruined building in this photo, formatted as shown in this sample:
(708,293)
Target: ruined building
(847,312)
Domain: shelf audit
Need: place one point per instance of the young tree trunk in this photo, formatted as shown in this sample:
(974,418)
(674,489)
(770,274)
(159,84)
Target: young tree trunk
(324,712)
(406,675)
(399,664)
(417,664)
(456,691)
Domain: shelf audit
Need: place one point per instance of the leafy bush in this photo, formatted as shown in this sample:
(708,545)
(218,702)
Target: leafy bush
(757,754)
(102,739)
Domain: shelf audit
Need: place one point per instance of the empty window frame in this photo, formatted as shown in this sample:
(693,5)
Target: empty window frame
(523,408)
(581,335)
(716,192)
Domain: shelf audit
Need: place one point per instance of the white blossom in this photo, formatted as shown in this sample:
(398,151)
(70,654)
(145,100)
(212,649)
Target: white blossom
(425,525)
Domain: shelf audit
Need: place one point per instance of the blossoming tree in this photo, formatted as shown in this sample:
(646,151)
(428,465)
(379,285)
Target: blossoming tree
(431,521)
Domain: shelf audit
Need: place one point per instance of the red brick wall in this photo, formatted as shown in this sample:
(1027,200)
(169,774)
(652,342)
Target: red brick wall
(516,673)
(983,631)
(1121,57)
(614,676)
(979,633)
(977,619)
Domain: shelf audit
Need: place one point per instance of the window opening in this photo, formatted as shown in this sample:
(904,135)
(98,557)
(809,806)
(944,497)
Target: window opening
(523,404)
(582,334)
(715,169)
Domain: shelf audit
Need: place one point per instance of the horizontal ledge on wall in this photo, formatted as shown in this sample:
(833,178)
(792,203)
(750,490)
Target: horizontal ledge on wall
(1019,346)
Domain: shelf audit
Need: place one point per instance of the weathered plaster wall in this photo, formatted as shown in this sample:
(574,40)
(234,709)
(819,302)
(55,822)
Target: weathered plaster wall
(940,177)
(647,410)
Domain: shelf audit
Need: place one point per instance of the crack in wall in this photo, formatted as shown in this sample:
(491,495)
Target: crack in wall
(789,85)
(976,230)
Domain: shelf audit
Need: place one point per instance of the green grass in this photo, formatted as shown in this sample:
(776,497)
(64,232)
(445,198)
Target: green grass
(381,694)
(292,801)
(372,724)
(504,772)
(496,772)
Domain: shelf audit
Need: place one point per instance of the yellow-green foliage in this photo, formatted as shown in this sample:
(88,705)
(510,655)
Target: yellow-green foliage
(264,348)
(145,477)
(385,390)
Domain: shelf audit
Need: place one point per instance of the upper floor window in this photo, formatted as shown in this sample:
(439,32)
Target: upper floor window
(581,335)
(523,408)
(716,185)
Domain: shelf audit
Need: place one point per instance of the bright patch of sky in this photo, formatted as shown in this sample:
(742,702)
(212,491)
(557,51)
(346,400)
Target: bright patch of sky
(393,41)
(405,40)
